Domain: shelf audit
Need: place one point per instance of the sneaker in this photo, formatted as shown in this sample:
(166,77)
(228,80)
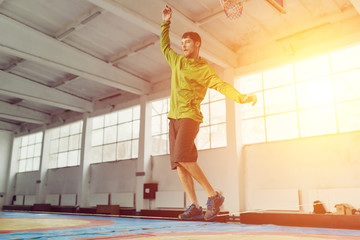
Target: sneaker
(192,213)
(213,206)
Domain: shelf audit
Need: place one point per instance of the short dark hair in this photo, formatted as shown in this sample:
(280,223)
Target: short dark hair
(193,36)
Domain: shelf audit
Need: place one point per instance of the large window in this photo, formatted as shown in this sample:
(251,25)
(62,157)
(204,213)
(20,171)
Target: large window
(30,152)
(212,133)
(314,97)
(65,145)
(115,136)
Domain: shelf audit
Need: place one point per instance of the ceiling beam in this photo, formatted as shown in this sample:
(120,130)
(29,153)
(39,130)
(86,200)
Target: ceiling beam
(211,49)
(79,23)
(5,126)
(15,86)
(22,41)
(356,4)
(17,113)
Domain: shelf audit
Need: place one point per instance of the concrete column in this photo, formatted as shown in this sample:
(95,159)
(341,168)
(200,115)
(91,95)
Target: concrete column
(85,157)
(44,165)
(143,171)
(9,150)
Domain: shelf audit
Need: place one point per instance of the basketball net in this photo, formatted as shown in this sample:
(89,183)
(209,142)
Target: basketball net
(233,8)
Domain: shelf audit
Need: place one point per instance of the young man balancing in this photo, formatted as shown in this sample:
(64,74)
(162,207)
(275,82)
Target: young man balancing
(190,79)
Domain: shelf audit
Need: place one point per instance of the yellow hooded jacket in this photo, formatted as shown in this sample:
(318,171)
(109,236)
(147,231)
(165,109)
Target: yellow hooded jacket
(190,80)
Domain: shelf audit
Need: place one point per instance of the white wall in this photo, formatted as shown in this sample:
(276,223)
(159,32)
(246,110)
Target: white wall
(63,180)
(308,165)
(113,177)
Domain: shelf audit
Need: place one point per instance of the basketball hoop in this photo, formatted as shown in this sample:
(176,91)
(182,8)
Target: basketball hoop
(233,8)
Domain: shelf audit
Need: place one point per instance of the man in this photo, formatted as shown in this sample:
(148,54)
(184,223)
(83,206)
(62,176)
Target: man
(190,79)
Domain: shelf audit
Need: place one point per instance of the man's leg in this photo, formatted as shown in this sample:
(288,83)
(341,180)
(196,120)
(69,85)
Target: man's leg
(215,200)
(188,184)
(194,170)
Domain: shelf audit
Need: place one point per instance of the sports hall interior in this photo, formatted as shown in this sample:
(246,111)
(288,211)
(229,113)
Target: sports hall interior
(84,97)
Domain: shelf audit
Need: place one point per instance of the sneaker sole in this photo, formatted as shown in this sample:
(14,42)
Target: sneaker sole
(193,218)
(222,201)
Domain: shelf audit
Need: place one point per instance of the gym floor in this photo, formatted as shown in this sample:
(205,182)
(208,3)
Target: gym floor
(24,225)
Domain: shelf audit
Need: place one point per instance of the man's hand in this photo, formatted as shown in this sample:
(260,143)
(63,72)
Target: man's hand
(166,13)
(250,98)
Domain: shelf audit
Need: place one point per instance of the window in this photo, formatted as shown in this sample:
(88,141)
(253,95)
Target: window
(115,136)
(212,132)
(314,97)
(160,127)
(65,145)
(30,152)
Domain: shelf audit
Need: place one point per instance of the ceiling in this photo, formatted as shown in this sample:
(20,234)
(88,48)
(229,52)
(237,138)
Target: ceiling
(61,58)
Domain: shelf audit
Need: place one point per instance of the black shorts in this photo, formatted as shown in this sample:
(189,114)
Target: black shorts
(182,134)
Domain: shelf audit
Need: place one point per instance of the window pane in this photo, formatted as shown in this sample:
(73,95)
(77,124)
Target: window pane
(251,83)
(55,133)
(97,137)
(249,111)
(136,113)
(159,107)
(29,165)
(22,165)
(312,68)
(125,115)
(62,159)
(135,148)
(53,161)
(345,59)
(110,134)
(96,154)
(205,110)
(124,150)
(215,95)
(347,85)
(156,125)
(218,112)
(207,97)
(317,121)
(349,116)
(278,77)
(74,142)
(203,138)
(75,128)
(218,135)
(24,141)
(64,131)
(54,146)
(109,153)
(98,122)
(111,119)
(160,144)
(164,123)
(280,99)
(253,130)
(135,129)
(282,126)
(38,137)
(37,150)
(63,144)
(30,151)
(36,164)
(125,131)
(315,92)
(23,152)
(73,158)
(31,139)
